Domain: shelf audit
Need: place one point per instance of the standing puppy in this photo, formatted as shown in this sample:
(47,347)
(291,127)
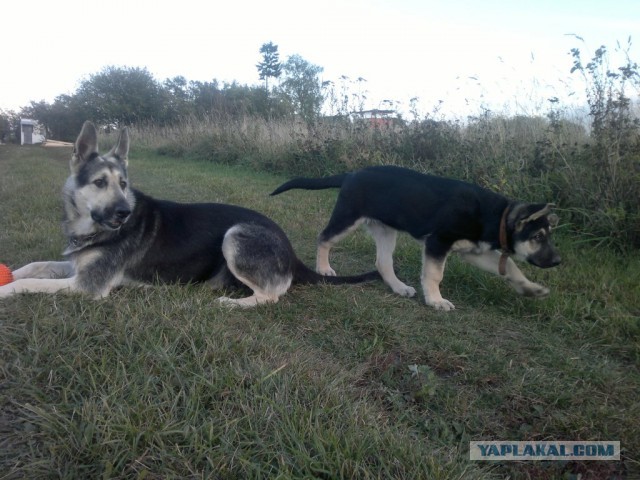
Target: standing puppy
(446,215)
(120,236)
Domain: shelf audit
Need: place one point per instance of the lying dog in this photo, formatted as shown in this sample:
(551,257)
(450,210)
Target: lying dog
(446,216)
(119,236)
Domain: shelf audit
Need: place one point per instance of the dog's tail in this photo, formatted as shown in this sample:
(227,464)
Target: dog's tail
(312,183)
(305,275)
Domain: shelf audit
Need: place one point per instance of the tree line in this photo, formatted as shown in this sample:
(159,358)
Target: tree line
(119,96)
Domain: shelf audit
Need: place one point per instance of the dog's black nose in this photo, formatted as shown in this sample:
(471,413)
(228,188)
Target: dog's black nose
(122,213)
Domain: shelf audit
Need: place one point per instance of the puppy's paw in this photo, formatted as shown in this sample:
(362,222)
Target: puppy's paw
(404,290)
(532,290)
(442,304)
(326,271)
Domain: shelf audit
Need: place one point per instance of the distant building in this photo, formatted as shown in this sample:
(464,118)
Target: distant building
(30,132)
(376,118)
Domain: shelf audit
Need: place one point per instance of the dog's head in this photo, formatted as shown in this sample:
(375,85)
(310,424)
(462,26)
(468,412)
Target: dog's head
(98,197)
(530,228)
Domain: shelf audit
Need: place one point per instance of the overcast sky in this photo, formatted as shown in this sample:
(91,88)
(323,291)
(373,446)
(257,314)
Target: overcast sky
(501,54)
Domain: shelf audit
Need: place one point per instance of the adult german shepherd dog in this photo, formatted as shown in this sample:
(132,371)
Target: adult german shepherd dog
(446,215)
(118,236)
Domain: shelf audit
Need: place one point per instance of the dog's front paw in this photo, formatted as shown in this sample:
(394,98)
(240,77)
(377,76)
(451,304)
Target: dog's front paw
(538,292)
(442,304)
(532,290)
(7,291)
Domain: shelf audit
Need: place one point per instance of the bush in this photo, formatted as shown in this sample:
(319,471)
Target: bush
(607,173)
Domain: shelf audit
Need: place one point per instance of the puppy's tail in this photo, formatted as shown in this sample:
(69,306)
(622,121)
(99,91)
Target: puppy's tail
(312,183)
(305,275)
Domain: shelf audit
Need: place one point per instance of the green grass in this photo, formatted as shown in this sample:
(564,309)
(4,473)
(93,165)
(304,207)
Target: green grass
(331,382)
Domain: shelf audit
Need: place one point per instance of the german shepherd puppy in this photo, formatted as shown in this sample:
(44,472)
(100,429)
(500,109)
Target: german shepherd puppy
(118,236)
(446,216)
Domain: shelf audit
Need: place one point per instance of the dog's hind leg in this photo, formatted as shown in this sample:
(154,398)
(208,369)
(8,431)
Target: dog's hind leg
(247,302)
(489,261)
(260,258)
(385,238)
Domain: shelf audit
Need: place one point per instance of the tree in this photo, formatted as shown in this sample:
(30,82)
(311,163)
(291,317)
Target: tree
(178,104)
(61,119)
(9,123)
(121,96)
(303,87)
(270,67)
(205,96)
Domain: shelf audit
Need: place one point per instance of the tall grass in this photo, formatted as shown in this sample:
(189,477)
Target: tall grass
(555,158)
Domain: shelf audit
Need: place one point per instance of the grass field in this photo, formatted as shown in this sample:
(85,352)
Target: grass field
(331,382)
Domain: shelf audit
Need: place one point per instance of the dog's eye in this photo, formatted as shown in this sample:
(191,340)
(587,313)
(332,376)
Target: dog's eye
(538,237)
(123,184)
(100,182)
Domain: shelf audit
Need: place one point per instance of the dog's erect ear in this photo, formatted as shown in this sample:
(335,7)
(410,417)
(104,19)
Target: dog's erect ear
(121,149)
(85,146)
(539,212)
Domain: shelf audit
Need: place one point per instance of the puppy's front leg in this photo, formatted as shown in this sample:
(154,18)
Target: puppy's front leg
(432,274)
(489,262)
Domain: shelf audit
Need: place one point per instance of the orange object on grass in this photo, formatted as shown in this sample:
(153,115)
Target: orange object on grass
(5,274)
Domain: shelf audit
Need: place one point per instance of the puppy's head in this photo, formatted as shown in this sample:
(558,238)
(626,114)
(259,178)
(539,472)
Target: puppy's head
(530,228)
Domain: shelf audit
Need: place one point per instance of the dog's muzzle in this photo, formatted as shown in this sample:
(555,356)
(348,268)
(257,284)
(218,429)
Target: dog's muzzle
(552,259)
(112,220)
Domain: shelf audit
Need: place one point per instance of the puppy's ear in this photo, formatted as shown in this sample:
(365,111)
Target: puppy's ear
(121,149)
(85,147)
(539,211)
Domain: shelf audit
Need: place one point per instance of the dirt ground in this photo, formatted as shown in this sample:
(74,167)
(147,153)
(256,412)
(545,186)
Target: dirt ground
(56,143)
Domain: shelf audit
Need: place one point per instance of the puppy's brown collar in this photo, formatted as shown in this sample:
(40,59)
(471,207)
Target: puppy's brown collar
(504,244)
